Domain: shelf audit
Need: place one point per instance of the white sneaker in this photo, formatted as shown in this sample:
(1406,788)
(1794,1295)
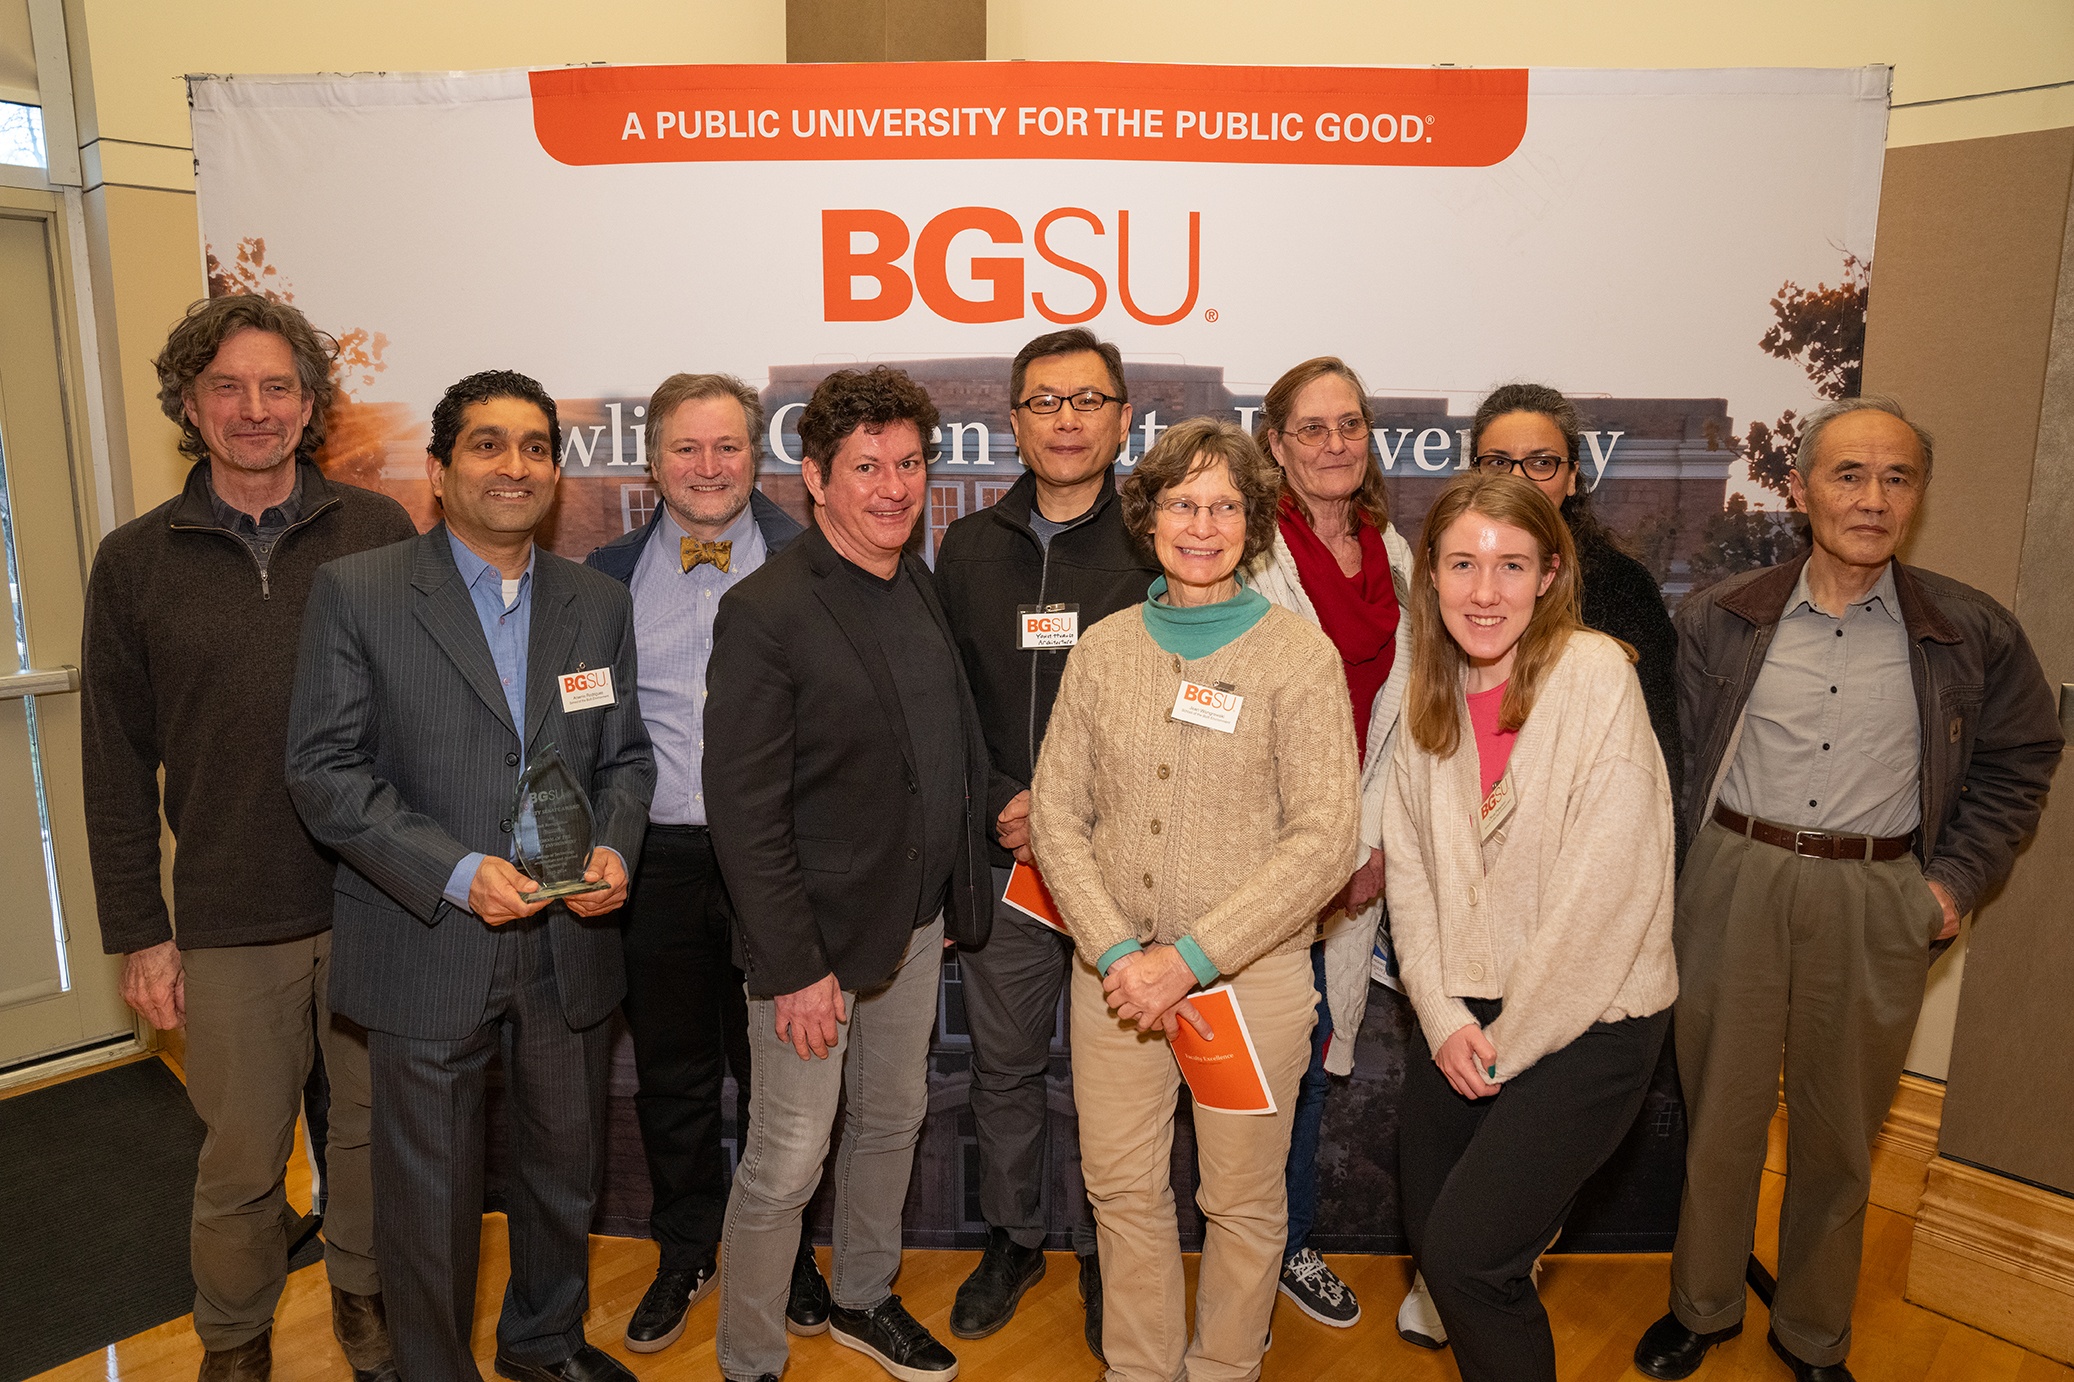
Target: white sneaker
(1419,1323)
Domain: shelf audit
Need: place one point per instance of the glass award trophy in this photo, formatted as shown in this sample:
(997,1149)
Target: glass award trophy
(551,826)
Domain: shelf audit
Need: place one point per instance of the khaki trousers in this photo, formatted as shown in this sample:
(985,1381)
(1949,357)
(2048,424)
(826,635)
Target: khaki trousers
(1826,960)
(1125,1084)
(254,1014)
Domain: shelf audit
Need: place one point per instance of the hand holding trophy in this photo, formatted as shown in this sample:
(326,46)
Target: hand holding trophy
(551,826)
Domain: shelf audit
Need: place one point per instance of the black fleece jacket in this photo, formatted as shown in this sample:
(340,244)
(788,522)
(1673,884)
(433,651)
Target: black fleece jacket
(188,658)
(989,563)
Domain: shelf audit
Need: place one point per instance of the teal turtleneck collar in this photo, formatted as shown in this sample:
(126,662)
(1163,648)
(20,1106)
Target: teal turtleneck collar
(1196,631)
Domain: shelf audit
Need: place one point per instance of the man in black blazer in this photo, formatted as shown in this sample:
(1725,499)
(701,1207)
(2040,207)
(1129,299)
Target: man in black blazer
(849,813)
(684,1001)
(432,672)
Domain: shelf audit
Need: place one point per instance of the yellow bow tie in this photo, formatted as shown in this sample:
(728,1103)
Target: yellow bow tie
(692,551)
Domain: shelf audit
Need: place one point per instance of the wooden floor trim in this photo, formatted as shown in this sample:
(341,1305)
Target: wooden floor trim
(1901,1154)
(1997,1254)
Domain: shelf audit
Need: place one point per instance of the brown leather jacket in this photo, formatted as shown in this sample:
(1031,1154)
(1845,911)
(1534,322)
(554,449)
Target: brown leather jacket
(1991,737)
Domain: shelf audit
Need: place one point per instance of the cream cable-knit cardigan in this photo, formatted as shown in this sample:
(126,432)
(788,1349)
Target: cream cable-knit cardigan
(1350,940)
(1151,829)
(1565,912)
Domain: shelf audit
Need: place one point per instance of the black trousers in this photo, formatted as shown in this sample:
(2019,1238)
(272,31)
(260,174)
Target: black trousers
(689,1017)
(1487,1183)
(428,1134)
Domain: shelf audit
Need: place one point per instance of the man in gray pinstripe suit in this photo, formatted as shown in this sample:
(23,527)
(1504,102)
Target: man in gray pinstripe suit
(430,674)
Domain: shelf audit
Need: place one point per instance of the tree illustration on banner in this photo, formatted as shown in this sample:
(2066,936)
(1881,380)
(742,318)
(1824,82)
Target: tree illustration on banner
(357,436)
(1822,329)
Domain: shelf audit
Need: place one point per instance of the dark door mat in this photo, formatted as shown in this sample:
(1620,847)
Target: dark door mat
(96,1190)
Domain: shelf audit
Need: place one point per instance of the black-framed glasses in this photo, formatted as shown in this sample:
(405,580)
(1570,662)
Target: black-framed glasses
(1085,401)
(1314,434)
(1542,465)
(1222,513)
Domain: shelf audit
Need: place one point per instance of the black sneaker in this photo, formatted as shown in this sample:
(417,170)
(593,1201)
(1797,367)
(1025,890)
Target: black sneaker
(988,1297)
(896,1339)
(807,1306)
(1318,1291)
(1091,1296)
(659,1318)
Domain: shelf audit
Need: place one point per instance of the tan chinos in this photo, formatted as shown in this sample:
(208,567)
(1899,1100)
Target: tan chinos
(1126,1085)
(255,1015)
(1825,958)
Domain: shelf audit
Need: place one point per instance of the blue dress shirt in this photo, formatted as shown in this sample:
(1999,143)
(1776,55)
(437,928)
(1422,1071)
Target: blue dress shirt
(507,628)
(673,634)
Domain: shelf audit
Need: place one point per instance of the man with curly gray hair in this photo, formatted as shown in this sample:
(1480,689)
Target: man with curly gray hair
(192,616)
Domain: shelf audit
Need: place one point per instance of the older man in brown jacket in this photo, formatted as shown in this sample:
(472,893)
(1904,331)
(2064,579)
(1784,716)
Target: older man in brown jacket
(1867,745)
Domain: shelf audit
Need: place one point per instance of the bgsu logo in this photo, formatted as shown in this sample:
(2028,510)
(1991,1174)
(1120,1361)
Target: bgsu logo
(1044,623)
(928,272)
(1208,696)
(582,681)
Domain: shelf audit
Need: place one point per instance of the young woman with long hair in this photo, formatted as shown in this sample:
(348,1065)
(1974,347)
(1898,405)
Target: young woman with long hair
(1528,842)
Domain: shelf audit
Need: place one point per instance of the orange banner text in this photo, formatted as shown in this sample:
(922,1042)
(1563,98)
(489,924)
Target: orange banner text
(1420,117)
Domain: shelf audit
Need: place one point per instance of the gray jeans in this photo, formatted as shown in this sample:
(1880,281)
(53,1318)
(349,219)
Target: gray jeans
(881,1062)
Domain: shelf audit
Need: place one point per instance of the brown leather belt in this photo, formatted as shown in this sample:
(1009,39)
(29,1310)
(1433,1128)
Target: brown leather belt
(1816,844)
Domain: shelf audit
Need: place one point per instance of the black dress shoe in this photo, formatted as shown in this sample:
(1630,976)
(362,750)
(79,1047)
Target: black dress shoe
(1669,1350)
(1091,1296)
(659,1318)
(807,1307)
(896,1339)
(587,1364)
(988,1297)
(1808,1372)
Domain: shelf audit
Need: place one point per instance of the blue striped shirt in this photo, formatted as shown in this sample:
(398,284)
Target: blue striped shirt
(673,635)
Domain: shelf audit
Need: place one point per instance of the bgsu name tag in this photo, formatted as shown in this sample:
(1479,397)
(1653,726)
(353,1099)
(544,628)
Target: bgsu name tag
(1213,707)
(1047,626)
(583,690)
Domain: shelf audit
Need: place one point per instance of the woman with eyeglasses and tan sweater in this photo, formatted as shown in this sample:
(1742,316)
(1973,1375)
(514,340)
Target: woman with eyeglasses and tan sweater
(1189,843)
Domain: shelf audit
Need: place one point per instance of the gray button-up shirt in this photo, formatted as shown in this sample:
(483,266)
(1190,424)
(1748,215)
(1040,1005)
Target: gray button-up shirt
(1831,739)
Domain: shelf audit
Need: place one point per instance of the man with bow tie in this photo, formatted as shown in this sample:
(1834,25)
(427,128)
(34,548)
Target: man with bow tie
(685,1001)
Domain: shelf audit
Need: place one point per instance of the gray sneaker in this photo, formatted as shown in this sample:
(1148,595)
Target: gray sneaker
(1318,1291)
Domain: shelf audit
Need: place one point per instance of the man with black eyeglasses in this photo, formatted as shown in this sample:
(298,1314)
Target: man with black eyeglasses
(1054,545)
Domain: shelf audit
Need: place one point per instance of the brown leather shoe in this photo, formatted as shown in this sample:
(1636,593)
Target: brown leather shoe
(251,1361)
(363,1335)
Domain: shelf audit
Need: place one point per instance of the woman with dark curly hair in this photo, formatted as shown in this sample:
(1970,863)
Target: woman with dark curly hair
(1185,850)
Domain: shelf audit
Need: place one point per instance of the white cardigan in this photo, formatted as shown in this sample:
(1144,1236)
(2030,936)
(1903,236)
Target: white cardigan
(1565,911)
(1350,940)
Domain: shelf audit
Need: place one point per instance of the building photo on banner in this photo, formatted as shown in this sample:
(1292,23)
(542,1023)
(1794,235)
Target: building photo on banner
(1685,253)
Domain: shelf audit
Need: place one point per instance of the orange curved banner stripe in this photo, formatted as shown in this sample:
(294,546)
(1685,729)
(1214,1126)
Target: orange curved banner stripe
(1368,116)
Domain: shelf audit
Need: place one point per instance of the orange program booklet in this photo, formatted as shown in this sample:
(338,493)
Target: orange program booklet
(1027,894)
(1224,1075)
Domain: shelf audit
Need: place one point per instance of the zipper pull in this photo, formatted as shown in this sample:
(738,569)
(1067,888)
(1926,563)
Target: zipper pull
(265,589)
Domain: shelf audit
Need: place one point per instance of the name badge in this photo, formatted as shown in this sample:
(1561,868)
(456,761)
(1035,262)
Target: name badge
(586,690)
(1047,626)
(1213,707)
(1497,807)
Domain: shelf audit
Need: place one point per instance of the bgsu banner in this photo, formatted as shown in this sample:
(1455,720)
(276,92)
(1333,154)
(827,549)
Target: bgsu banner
(1660,245)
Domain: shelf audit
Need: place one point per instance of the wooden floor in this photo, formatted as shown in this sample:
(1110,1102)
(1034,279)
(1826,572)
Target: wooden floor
(1599,1306)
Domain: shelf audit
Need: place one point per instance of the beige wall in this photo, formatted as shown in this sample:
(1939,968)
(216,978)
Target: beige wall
(1939,49)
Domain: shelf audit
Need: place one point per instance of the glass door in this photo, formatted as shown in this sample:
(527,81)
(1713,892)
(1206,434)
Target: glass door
(58,992)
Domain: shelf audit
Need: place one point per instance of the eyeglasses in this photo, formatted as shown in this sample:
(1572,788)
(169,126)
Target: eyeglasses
(1086,401)
(1539,466)
(1313,434)
(1223,513)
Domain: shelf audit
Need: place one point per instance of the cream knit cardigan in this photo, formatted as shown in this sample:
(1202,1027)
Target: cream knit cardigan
(1565,912)
(1350,940)
(1150,829)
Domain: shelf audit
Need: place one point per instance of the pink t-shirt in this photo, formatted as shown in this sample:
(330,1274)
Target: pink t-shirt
(1493,745)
